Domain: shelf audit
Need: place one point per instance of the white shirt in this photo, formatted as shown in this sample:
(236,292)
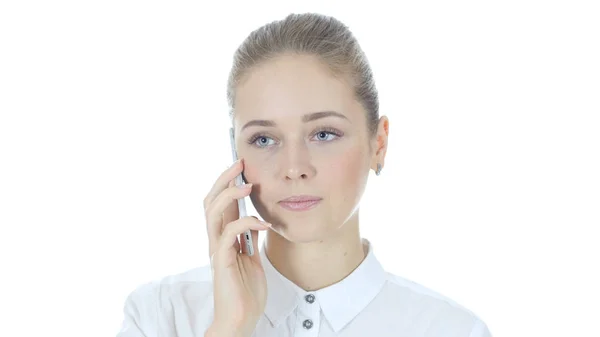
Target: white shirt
(368,302)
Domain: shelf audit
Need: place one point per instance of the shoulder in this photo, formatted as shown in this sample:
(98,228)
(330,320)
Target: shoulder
(150,305)
(440,311)
(421,293)
(156,291)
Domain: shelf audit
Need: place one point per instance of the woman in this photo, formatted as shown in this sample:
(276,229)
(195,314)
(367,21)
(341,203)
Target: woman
(305,111)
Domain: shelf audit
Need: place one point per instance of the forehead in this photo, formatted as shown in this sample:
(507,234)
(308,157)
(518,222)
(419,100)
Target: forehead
(291,86)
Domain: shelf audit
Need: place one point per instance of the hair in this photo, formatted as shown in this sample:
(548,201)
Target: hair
(318,35)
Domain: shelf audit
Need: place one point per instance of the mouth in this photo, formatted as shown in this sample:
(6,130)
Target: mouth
(300,202)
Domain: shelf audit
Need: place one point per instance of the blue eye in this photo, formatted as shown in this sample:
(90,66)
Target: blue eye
(322,135)
(261,141)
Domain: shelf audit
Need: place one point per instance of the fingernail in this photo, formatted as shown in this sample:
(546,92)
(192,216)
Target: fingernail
(244,186)
(267,224)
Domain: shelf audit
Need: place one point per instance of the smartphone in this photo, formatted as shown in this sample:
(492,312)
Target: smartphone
(246,236)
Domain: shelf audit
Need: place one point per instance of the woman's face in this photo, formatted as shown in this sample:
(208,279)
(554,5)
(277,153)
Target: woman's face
(302,132)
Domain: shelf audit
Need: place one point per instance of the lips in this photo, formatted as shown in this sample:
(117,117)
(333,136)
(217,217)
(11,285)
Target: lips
(301,198)
(300,202)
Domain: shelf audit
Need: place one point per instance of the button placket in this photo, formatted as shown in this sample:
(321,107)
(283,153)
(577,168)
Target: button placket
(308,316)
(310,298)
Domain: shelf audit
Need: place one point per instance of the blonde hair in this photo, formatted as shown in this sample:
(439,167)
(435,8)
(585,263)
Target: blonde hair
(309,34)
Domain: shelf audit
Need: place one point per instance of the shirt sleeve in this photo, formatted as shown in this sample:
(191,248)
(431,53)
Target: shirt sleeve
(480,329)
(140,312)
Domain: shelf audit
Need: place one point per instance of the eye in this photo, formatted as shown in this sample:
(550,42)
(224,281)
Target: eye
(260,141)
(322,135)
(327,134)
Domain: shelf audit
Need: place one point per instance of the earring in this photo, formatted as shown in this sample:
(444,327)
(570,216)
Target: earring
(378,172)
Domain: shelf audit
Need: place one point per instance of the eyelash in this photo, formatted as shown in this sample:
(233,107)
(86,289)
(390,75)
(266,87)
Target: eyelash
(332,131)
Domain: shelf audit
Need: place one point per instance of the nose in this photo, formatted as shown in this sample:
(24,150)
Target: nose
(297,162)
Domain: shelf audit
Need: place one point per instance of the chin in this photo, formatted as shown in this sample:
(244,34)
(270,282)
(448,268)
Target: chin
(301,229)
(297,227)
(299,235)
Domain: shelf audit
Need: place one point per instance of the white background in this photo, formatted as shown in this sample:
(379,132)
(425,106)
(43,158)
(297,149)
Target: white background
(113,127)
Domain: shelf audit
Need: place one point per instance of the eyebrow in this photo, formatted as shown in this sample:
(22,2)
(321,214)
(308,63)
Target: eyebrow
(306,118)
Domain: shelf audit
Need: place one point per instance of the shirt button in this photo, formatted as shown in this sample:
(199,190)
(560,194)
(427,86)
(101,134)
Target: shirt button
(310,298)
(307,324)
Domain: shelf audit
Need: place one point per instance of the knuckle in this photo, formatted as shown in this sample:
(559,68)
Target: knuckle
(229,227)
(223,196)
(228,196)
(228,232)
(208,212)
(234,227)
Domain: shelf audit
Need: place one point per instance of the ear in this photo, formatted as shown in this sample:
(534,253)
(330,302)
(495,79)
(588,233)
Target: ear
(380,143)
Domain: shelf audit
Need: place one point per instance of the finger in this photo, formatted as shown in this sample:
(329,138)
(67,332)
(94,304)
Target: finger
(215,214)
(212,247)
(231,212)
(227,201)
(222,181)
(233,229)
(215,230)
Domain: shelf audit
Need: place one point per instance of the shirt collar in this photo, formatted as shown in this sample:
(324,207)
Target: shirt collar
(340,302)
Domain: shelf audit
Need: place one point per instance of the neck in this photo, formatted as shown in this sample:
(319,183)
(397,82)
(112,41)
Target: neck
(315,265)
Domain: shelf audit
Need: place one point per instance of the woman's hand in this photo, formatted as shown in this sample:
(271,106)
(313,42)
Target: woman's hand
(240,287)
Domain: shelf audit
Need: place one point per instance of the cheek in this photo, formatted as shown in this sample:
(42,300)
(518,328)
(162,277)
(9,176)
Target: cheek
(253,171)
(346,169)
(257,173)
